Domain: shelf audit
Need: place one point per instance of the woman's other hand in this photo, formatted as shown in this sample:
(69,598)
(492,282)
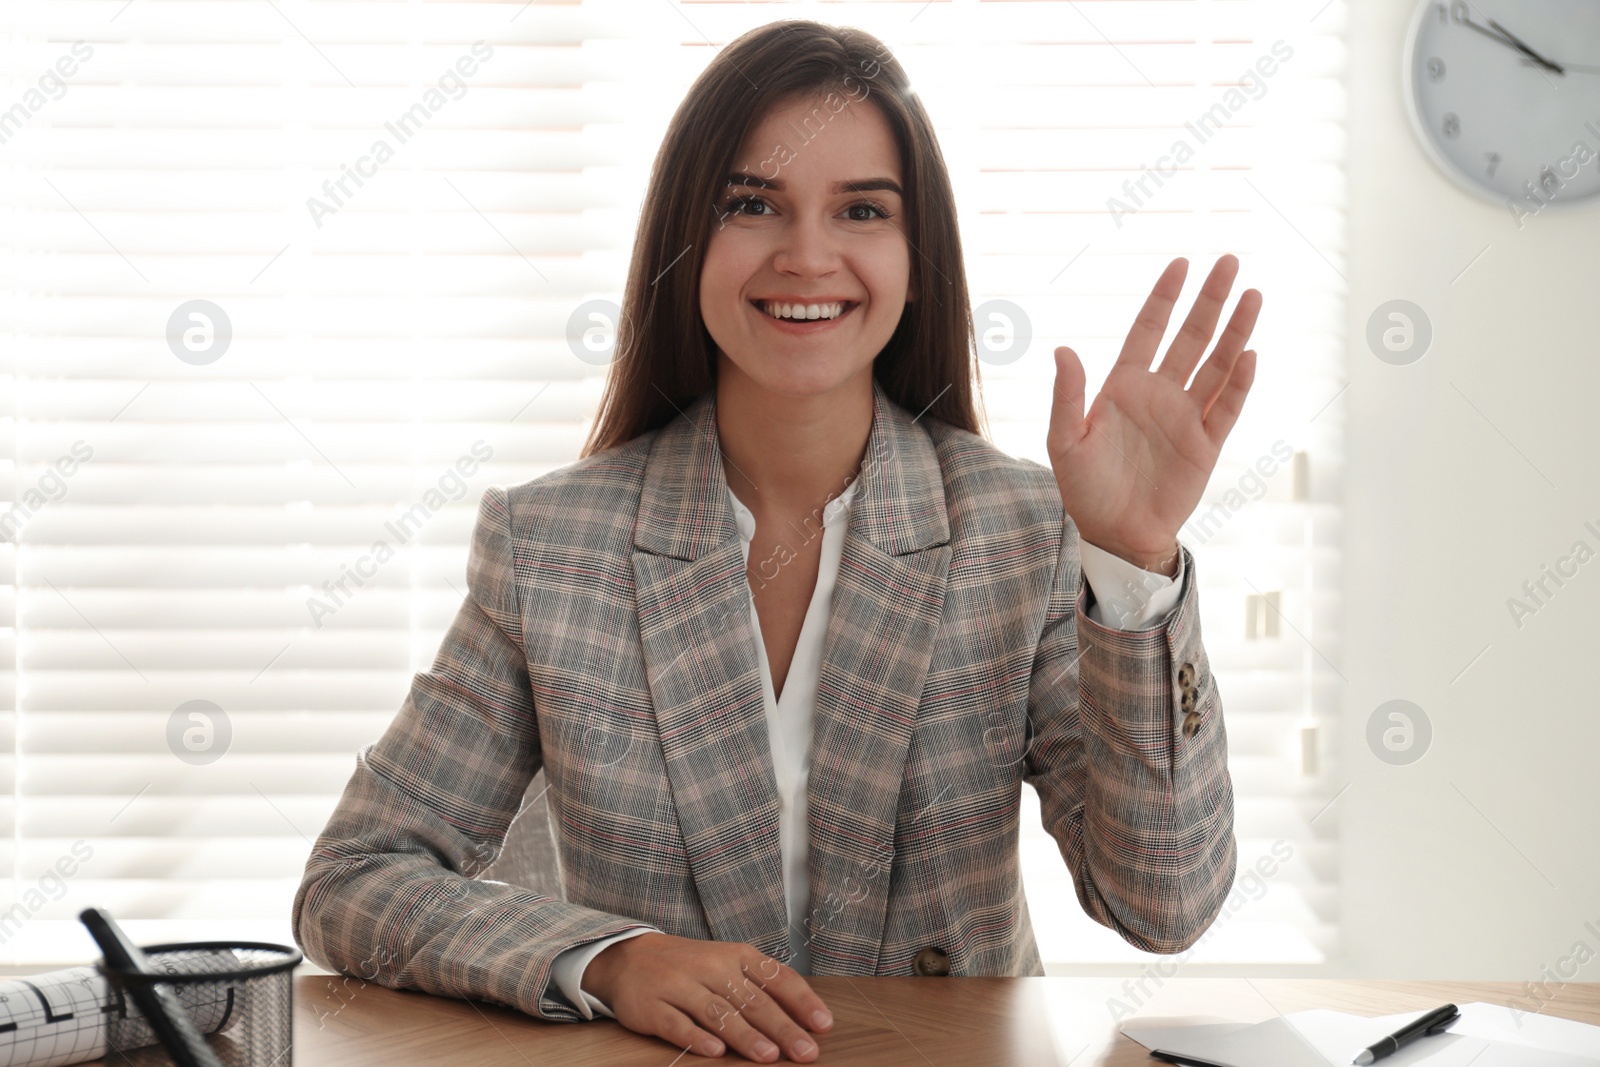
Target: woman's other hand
(704,995)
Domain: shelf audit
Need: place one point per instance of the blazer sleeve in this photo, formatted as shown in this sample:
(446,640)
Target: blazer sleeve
(1141,808)
(389,892)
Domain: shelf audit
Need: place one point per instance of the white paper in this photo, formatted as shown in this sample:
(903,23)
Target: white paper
(1493,1022)
(70,1016)
(1322,1038)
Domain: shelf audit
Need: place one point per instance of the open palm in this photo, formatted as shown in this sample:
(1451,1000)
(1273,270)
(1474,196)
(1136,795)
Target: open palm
(1132,471)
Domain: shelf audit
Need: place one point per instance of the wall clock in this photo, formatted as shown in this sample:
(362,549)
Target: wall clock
(1505,97)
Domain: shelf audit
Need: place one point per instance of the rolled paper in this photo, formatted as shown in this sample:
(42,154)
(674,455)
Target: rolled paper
(74,1015)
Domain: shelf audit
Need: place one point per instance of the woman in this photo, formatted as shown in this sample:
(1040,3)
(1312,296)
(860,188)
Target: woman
(790,635)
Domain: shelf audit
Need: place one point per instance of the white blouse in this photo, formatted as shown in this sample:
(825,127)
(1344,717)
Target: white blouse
(1113,581)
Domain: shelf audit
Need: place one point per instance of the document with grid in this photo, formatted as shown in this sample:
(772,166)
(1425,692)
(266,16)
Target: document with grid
(74,1015)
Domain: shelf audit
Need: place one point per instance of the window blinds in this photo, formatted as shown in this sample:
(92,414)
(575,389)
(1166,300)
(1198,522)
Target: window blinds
(287,286)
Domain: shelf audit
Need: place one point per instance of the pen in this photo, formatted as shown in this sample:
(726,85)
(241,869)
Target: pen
(156,1001)
(1432,1023)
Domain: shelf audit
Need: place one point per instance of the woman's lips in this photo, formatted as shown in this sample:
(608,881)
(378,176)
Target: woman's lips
(805,326)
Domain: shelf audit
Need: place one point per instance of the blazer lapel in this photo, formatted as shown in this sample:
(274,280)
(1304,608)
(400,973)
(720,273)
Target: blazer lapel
(705,683)
(887,604)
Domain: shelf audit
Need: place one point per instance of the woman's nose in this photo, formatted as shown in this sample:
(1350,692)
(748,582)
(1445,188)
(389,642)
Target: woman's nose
(808,244)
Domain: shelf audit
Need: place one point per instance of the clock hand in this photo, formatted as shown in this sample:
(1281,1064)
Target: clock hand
(1530,53)
(1466,20)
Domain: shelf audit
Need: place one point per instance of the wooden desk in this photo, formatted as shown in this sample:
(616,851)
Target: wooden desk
(885,1022)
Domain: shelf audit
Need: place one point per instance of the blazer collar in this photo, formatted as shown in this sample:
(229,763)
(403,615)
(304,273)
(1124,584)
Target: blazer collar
(684,511)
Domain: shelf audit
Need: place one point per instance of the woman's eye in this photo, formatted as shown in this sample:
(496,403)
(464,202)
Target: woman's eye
(737,205)
(870,206)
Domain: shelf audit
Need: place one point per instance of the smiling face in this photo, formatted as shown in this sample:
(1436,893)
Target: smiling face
(804,222)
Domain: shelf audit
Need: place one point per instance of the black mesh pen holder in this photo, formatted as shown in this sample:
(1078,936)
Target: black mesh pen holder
(238,994)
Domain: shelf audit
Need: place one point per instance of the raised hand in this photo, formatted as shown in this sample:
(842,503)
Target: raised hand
(1131,473)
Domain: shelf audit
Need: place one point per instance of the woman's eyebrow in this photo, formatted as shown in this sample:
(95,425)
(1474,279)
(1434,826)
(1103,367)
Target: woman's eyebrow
(859,185)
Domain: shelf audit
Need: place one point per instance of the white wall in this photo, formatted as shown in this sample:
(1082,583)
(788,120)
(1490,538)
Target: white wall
(1446,518)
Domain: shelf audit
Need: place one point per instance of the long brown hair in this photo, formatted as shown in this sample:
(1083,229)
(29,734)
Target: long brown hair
(665,357)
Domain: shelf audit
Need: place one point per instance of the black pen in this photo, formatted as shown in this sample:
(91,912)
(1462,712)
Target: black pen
(156,1001)
(1432,1023)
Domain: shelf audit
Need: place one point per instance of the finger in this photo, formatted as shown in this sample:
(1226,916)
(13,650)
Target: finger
(773,1026)
(1066,405)
(800,1000)
(724,1021)
(677,1028)
(751,1023)
(1225,411)
(1195,334)
(1217,370)
(775,1000)
(1151,323)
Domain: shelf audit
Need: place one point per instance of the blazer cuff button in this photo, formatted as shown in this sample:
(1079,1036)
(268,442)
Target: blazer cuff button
(1191,724)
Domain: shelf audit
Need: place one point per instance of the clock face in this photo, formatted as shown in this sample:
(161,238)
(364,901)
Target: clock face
(1505,94)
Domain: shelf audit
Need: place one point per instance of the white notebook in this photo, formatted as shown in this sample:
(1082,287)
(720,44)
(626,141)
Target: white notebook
(1485,1035)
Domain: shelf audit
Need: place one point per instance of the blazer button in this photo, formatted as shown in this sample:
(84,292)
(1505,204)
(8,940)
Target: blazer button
(1186,701)
(1186,675)
(1191,724)
(931,962)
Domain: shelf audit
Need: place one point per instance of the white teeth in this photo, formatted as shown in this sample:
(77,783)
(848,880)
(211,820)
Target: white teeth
(803,311)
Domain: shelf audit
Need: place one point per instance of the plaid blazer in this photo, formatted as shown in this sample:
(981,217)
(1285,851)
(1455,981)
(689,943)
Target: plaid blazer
(606,637)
